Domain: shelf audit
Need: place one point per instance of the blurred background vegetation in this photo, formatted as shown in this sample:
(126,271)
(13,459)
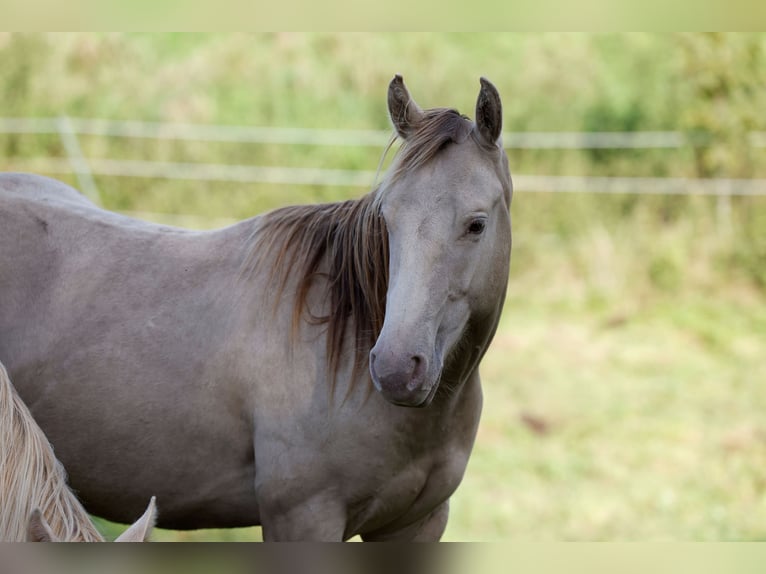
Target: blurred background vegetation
(626,388)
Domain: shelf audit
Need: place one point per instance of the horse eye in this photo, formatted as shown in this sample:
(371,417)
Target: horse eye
(477,226)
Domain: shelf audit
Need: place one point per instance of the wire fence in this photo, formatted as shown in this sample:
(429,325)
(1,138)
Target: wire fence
(376,138)
(84,168)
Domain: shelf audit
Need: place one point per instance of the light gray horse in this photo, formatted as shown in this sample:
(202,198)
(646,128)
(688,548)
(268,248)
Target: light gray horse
(233,373)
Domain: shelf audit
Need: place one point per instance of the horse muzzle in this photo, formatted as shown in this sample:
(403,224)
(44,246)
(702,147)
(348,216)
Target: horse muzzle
(404,379)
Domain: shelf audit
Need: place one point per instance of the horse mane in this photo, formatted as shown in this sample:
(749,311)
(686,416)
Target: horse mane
(352,237)
(32,477)
(437,128)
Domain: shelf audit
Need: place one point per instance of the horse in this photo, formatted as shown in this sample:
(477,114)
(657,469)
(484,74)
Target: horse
(37,505)
(313,369)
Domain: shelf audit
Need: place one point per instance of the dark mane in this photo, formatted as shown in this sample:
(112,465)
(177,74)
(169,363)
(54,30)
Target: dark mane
(352,238)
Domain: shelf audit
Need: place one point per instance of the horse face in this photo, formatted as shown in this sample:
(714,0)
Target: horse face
(449,246)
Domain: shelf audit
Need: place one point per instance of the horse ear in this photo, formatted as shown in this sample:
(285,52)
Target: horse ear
(141,529)
(405,113)
(38,529)
(489,113)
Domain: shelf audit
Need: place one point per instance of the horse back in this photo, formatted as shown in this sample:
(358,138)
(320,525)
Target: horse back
(31,187)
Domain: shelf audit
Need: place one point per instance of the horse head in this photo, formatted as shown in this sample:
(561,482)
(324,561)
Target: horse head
(446,207)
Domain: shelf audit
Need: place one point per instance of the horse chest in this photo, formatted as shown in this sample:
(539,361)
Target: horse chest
(404,471)
(408,490)
(423,486)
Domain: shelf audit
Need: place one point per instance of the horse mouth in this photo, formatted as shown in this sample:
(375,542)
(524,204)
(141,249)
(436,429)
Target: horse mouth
(426,401)
(418,400)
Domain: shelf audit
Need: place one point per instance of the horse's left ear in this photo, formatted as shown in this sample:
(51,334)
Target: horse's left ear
(38,529)
(489,113)
(404,112)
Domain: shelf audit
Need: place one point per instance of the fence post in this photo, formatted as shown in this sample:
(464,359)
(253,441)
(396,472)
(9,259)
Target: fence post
(77,160)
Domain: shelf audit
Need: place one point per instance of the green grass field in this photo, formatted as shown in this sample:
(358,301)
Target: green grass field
(625,392)
(625,427)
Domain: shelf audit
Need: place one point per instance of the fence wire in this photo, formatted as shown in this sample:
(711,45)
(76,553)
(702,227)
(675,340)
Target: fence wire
(85,168)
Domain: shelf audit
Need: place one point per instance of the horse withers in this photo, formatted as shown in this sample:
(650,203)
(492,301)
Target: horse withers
(262,373)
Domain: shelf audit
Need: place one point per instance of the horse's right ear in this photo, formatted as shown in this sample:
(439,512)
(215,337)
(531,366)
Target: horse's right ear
(141,529)
(489,113)
(405,113)
(38,529)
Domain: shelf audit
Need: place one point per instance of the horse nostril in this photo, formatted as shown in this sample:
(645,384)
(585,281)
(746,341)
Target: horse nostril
(417,366)
(417,362)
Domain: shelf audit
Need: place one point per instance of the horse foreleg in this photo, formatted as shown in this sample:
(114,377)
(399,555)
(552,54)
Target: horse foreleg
(428,529)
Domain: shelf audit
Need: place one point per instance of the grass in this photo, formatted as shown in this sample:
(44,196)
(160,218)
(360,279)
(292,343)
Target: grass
(642,428)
